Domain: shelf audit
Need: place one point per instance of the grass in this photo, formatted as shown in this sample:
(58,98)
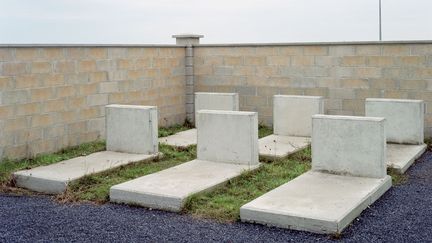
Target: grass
(7,167)
(96,187)
(167,131)
(224,203)
(264,131)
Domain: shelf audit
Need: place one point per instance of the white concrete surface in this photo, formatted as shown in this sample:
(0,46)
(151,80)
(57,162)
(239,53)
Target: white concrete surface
(132,129)
(228,136)
(277,147)
(292,114)
(401,156)
(405,118)
(349,145)
(348,174)
(227,146)
(168,189)
(316,202)
(182,139)
(215,101)
(53,179)
(203,101)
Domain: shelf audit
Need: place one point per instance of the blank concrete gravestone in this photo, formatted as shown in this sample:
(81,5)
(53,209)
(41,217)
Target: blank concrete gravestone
(203,101)
(131,137)
(227,146)
(405,129)
(348,174)
(292,125)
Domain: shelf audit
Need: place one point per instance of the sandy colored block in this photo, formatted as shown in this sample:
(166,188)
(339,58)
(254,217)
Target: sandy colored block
(316,202)
(215,101)
(349,145)
(132,129)
(53,179)
(401,156)
(292,114)
(168,189)
(182,139)
(276,146)
(228,136)
(405,118)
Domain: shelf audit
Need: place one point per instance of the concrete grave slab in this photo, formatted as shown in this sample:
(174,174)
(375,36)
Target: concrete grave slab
(278,147)
(53,179)
(227,146)
(405,128)
(131,137)
(401,156)
(292,125)
(315,201)
(342,183)
(203,101)
(182,139)
(168,189)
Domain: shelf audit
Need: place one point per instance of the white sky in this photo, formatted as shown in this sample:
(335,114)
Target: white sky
(221,21)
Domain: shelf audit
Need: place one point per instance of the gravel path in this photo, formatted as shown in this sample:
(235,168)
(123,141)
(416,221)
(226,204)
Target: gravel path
(403,214)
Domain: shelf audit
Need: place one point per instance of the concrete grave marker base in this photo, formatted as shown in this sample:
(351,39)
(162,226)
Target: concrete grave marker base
(277,146)
(316,202)
(182,139)
(401,156)
(227,146)
(53,179)
(168,189)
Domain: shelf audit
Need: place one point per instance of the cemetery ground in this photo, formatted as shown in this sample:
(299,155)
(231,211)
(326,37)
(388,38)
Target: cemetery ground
(221,204)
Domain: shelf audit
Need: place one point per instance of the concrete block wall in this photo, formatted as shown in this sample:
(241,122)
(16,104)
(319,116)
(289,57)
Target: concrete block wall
(52,97)
(343,73)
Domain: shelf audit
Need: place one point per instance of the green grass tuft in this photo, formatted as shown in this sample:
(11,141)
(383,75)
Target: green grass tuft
(168,131)
(264,131)
(96,187)
(224,203)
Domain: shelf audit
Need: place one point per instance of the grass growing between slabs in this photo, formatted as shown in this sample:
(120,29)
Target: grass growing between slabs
(168,131)
(224,203)
(7,167)
(96,187)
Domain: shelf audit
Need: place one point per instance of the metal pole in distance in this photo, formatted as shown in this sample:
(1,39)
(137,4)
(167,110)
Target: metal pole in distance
(380,28)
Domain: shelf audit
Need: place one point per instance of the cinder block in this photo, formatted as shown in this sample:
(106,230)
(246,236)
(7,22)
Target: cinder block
(349,145)
(132,129)
(215,101)
(228,137)
(404,118)
(293,114)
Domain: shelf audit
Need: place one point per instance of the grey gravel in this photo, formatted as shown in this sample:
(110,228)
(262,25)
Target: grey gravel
(403,214)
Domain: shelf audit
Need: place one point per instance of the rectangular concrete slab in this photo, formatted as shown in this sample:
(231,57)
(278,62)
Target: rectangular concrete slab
(168,189)
(401,156)
(349,145)
(132,129)
(182,139)
(228,136)
(404,118)
(215,101)
(277,146)
(53,179)
(292,114)
(316,202)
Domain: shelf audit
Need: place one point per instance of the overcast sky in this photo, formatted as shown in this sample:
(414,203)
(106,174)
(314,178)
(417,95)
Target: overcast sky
(221,21)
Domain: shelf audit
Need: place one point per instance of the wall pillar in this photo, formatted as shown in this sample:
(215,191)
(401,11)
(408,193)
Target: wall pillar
(189,40)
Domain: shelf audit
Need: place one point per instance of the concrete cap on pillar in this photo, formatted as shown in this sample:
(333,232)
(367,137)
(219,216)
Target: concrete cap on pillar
(187,39)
